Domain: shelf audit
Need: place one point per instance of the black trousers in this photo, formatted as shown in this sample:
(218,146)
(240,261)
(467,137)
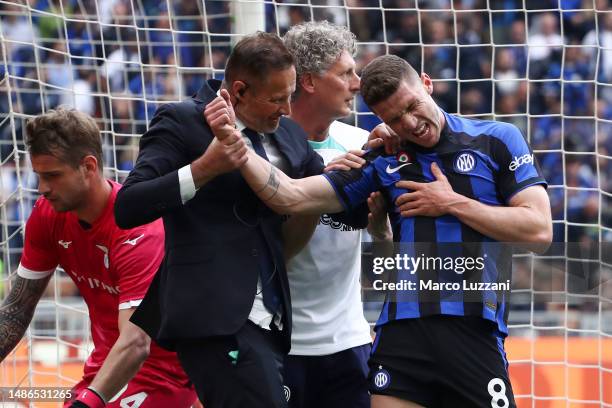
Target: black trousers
(330,381)
(238,371)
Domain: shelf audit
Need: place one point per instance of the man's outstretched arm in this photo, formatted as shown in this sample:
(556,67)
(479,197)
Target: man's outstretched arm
(310,195)
(17,310)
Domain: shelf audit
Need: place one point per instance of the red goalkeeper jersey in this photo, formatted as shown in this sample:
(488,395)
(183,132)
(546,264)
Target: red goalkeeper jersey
(112,269)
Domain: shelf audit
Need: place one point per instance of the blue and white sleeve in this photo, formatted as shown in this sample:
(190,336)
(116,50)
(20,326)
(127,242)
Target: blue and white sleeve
(518,168)
(353,187)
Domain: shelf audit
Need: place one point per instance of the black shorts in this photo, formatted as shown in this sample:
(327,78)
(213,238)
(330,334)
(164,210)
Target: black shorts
(441,361)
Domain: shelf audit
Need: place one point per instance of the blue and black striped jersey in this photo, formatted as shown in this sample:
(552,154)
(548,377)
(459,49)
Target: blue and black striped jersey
(487,161)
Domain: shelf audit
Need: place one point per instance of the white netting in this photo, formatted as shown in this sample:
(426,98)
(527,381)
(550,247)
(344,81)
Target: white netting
(544,65)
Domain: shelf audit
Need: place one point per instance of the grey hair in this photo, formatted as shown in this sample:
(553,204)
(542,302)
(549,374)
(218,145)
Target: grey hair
(317,45)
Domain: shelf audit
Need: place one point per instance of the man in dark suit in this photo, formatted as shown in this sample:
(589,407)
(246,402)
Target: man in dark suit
(221,297)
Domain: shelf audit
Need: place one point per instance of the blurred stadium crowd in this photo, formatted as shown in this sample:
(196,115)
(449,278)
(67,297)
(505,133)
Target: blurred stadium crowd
(546,68)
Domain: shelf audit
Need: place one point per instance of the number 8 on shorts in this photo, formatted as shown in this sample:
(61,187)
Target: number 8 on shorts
(498,395)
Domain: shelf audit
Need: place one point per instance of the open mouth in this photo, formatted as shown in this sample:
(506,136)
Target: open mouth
(421,131)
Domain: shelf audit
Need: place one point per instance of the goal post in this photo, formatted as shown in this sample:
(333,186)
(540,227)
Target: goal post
(543,65)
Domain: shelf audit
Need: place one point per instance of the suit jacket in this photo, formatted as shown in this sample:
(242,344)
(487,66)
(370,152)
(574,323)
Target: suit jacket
(208,279)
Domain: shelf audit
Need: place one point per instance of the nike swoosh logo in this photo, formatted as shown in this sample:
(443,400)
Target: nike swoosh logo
(391,170)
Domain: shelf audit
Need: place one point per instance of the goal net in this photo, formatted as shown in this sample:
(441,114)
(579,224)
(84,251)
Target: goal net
(543,65)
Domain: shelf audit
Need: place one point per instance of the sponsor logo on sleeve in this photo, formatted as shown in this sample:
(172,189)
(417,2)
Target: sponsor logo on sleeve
(519,161)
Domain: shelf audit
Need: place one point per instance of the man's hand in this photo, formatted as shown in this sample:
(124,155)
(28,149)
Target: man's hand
(220,157)
(226,155)
(220,116)
(427,199)
(347,161)
(383,134)
(378,222)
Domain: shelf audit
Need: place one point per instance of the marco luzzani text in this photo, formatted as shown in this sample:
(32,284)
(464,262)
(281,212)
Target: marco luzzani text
(414,264)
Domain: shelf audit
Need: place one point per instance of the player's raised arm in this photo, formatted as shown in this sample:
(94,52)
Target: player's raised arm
(17,310)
